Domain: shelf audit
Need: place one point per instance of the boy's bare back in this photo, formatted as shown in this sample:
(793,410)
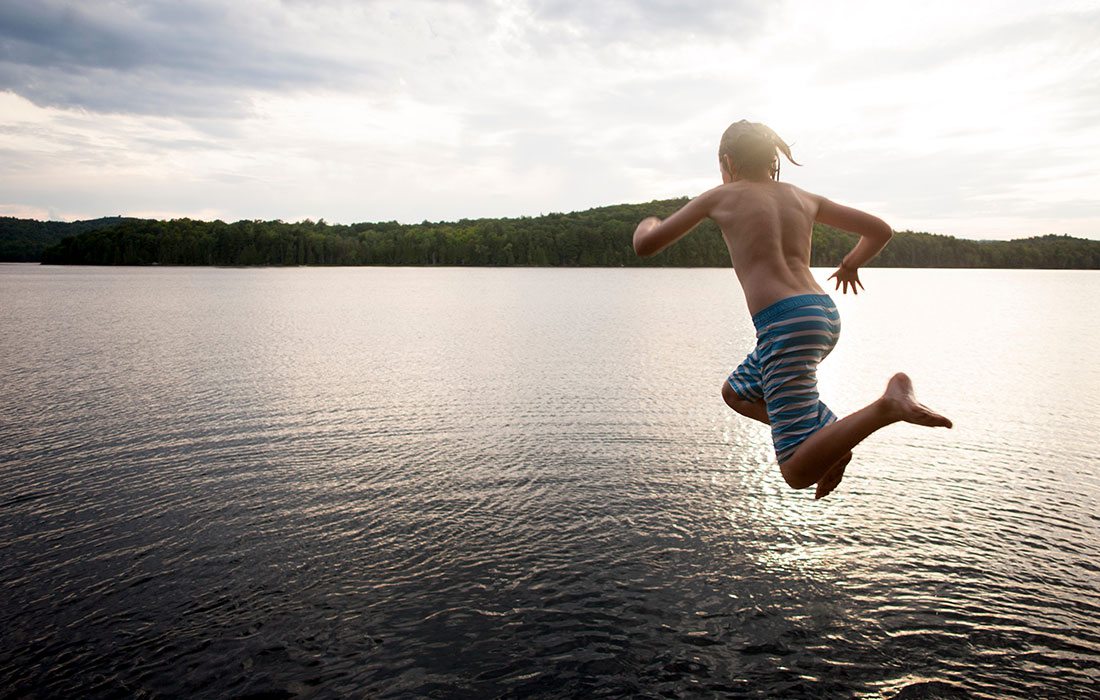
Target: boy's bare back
(767,227)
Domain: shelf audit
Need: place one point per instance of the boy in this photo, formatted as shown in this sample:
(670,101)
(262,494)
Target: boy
(767,226)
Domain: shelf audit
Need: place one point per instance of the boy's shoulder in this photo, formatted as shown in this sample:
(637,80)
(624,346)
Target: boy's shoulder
(736,190)
(796,190)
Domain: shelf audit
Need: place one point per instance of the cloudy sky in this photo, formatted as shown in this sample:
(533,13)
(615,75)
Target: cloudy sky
(973,119)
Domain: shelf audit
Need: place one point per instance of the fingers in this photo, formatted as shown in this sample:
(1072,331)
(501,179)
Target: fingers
(846,280)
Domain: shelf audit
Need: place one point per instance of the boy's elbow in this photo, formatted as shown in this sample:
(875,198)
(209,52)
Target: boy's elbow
(885,232)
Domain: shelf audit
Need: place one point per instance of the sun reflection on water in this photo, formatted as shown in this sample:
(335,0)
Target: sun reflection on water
(444,481)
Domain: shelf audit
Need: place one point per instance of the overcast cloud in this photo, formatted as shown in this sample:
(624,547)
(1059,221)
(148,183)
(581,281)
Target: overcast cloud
(973,119)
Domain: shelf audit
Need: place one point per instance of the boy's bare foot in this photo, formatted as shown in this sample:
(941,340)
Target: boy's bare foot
(902,404)
(832,477)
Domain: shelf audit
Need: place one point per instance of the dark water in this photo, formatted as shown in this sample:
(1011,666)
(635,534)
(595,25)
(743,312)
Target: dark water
(523,483)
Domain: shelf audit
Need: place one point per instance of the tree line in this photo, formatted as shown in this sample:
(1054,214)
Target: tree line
(596,237)
(24,240)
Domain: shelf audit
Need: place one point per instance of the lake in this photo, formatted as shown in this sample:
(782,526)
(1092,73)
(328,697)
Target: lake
(472,483)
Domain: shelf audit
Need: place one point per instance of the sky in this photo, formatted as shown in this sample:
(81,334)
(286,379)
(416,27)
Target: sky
(973,119)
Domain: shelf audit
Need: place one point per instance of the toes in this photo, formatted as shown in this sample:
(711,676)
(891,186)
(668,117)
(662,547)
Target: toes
(931,418)
(832,478)
(829,483)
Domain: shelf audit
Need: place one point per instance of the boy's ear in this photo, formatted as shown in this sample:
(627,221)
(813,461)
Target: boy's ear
(729,171)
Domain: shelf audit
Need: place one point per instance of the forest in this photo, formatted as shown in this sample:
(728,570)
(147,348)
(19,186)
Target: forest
(23,240)
(595,237)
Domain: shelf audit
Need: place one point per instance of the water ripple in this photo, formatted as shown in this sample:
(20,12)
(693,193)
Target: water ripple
(330,483)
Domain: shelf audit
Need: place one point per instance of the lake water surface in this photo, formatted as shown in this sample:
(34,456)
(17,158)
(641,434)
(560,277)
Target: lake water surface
(480,483)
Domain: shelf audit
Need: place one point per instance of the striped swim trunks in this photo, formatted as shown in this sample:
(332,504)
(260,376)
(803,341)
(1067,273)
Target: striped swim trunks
(792,336)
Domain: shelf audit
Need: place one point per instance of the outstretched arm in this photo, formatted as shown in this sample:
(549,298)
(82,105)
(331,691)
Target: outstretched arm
(874,234)
(654,235)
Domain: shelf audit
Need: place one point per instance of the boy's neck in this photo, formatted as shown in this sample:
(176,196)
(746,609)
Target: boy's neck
(761,179)
(731,176)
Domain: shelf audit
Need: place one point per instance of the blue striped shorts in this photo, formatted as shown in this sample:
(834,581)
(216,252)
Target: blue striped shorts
(792,336)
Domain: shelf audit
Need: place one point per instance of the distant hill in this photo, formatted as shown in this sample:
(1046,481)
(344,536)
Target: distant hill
(23,240)
(595,237)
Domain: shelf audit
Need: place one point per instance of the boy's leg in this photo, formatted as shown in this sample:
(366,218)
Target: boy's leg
(752,409)
(820,452)
(757,410)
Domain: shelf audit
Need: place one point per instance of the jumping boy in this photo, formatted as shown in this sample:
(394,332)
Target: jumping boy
(767,226)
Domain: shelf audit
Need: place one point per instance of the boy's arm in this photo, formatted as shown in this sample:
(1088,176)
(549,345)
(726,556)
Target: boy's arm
(874,234)
(654,235)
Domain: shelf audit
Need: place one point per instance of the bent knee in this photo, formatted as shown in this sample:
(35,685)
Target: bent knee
(728,394)
(732,398)
(739,403)
(795,478)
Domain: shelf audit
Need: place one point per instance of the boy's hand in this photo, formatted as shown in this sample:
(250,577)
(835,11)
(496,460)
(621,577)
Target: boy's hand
(847,276)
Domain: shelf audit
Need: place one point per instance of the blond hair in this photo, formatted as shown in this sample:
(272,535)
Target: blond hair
(753,149)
